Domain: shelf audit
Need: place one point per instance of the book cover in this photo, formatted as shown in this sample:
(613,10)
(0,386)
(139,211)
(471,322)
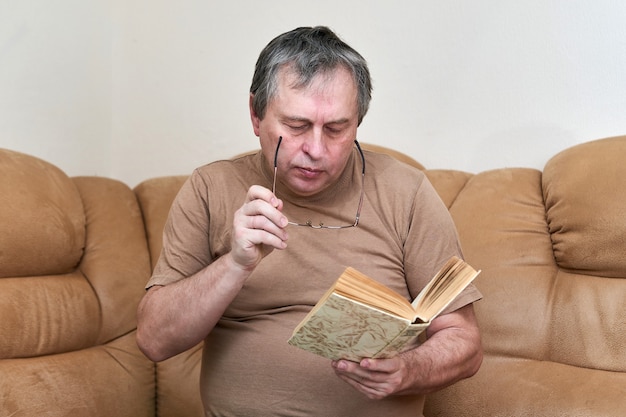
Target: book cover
(345,329)
(343,325)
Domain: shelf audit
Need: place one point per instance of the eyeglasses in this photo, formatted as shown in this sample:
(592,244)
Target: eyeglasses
(321,225)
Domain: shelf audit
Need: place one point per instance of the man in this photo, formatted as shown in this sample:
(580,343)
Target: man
(251,244)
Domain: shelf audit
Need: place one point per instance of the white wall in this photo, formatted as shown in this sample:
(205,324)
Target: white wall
(55,82)
(135,89)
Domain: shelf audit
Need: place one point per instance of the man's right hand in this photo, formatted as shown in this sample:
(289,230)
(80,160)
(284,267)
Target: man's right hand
(258,228)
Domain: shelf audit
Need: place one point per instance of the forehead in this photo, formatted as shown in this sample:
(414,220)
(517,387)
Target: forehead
(335,87)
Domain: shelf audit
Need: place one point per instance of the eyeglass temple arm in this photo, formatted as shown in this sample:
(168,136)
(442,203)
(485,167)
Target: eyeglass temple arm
(360,153)
(280,139)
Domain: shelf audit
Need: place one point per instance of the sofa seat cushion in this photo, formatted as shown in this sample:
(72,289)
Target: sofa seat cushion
(505,387)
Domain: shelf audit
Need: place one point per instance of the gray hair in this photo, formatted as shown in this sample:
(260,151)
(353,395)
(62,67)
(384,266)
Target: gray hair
(308,51)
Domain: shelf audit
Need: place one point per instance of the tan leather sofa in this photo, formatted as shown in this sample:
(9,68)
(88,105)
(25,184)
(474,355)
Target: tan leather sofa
(73,260)
(552,248)
(75,254)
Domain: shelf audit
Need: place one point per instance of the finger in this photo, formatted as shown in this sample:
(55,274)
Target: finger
(250,246)
(258,214)
(373,390)
(350,370)
(373,383)
(255,226)
(267,229)
(388,366)
(256,239)
(260,200)
(258,192)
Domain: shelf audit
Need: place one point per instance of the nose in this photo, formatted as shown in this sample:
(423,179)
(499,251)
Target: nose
(314,145)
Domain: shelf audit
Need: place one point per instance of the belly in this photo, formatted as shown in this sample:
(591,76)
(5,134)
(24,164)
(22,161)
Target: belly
(249,369)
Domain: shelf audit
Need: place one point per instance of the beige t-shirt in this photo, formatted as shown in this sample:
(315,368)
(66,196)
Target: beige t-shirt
(405,235)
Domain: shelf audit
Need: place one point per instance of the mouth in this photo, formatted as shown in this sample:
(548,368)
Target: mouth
(310,173)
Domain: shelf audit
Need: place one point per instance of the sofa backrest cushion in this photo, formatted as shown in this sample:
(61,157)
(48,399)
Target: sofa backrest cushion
(43,230)
(155,196)
(585,192)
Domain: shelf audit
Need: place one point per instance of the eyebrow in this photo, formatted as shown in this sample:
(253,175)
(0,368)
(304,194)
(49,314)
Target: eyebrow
(304,119)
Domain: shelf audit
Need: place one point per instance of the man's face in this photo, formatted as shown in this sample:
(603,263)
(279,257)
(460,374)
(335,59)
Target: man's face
(318,125)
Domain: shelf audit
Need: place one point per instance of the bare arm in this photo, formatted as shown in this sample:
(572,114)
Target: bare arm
(174,318)
(452,352)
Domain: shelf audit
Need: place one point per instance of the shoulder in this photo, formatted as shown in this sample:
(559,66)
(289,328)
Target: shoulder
(388,169)
(223,178)
(399,184)
(245,162)
(398,155)
(226,172)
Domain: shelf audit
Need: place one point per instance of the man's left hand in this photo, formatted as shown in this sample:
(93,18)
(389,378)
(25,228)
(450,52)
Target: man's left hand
(376,378)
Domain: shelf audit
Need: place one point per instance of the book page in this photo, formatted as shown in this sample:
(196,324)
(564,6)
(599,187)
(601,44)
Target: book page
(449,282)
(359,287)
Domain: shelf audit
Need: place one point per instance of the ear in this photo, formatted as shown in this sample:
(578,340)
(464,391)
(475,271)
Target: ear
(254,118)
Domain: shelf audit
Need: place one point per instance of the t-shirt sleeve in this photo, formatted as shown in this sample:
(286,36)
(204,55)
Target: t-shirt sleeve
(186,234)
(432,239)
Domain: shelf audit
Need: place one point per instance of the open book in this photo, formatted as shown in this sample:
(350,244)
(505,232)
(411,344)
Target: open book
(359,317)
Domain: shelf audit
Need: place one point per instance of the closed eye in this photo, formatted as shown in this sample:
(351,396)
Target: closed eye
(336,129)
(299,127)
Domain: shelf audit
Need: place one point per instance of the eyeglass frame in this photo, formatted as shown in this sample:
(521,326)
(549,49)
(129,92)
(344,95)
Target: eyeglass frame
(321,225)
